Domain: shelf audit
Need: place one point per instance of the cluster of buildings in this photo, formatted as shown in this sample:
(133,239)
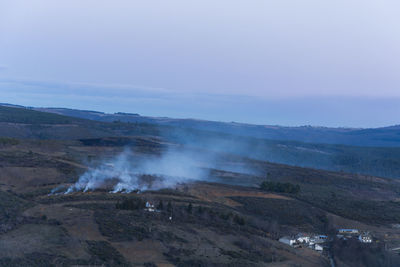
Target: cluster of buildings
(320,242)
(315,242)
(363,237)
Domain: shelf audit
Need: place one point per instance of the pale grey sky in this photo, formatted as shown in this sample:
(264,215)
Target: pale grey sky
(172,55)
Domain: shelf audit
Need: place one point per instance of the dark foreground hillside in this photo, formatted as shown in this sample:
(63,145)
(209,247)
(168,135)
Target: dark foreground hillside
(212,223)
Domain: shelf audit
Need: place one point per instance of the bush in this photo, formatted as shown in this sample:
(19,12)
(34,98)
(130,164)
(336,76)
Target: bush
(8,141)
(131,204)
(189,208)
(280,187)
(169,206)
(160,205)
(102,252)
(239,220)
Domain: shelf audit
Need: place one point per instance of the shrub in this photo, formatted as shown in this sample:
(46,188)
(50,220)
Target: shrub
(102,252)
(130,204)
(239,220)
(280,187)
(189,208)
(169,206)
(160,205)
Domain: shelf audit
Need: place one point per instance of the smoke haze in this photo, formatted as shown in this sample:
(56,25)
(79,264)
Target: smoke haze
(128,172)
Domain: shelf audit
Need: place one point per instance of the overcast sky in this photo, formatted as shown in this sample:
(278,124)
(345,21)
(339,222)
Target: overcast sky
(288,62)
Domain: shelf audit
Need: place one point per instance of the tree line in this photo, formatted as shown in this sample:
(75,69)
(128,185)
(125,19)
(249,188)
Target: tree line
(280,187)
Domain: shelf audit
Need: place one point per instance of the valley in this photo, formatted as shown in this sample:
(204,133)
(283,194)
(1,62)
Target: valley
(219,217)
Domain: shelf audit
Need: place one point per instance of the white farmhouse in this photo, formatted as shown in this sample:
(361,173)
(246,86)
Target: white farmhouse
(365,238)
(288,240)
(150,207)
(302,238)
(318,247)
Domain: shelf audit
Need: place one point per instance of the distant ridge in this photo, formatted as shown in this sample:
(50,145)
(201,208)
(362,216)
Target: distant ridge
(232,138)
(376,137)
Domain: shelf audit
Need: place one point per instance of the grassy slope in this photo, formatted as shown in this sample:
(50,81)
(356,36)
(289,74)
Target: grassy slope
(387,137)
(30,124)
(90,227)
(377,161)
(18,115)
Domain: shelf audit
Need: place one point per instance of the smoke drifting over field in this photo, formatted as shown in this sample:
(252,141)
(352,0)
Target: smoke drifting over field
(127,172)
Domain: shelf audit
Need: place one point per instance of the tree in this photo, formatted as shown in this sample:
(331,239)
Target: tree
(189,208)
(160,205)
(200,209)
(239,220)
(130,204)
(169,206)
(280,187)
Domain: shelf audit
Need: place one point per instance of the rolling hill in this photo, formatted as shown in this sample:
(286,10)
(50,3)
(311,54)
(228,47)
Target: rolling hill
(378,137)
(369,160)
(221,218)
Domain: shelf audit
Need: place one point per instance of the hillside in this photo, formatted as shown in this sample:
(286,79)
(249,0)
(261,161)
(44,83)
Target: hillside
(24,123)
(379,137)
(221,220)
(211,210)
(378,161)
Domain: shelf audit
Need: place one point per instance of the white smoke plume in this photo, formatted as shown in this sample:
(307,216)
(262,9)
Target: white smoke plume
(127,172)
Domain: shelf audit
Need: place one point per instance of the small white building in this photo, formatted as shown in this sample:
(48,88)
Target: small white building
(321,237)
(288,240)
(365,238)
(303,238)
(318,239)
(149,207)
(318,247)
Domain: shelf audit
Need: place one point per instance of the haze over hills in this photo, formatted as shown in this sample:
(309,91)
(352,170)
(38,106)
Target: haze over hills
(374,137)
(68,191)
(382,161)
(387,136)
